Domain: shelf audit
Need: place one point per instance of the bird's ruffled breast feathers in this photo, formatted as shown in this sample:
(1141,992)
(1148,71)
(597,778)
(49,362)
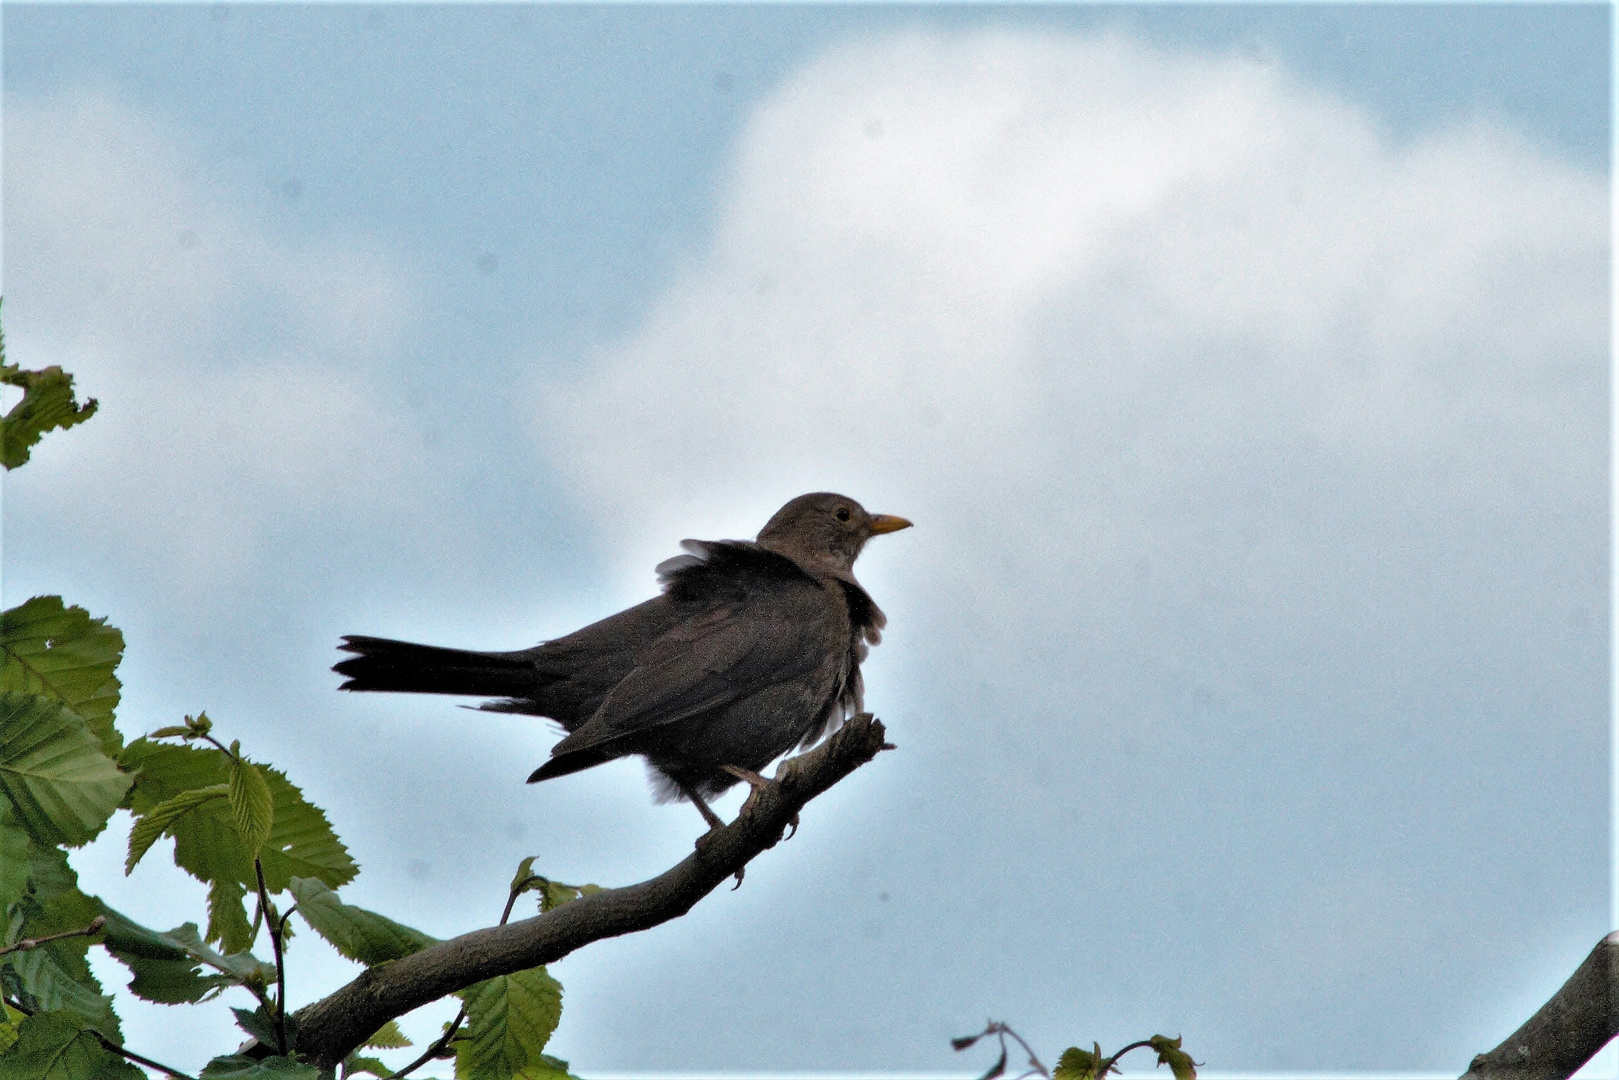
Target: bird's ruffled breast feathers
(711,568)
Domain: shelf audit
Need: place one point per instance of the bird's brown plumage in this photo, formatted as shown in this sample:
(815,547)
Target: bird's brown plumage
(753,648)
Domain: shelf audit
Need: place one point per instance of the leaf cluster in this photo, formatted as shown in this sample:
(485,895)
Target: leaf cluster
(47,403)
(238,826)
(1077,1063)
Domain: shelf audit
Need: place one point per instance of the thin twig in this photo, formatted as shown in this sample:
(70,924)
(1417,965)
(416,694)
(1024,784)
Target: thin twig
(33,943)
(274,925)
(437,1047)
(1102,1069)
(223,749)
(112,1047)
(1033,1060)
(517,890)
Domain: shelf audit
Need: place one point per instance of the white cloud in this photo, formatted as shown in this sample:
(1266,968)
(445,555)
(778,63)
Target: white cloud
(239,370)
(1258,462)
(948,267)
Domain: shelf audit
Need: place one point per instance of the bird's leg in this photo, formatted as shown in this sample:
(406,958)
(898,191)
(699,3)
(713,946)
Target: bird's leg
(758,784)
(709,816)
(714,822)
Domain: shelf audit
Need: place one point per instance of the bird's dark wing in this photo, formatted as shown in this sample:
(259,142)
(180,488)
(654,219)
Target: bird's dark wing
(762,626)
(574,673)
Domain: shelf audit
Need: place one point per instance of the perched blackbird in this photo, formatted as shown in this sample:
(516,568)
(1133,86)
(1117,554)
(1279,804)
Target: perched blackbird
(751,650)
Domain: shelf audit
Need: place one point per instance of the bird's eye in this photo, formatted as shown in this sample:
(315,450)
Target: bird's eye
(842,513)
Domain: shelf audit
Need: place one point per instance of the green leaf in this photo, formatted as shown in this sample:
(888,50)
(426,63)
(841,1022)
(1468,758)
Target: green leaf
(509,1020)
(61,785)
(49,874)
(169,733)
(63,909)
(163,771)
(207,843)
(1170,1053)
(1077,1064)
(51,987)
(10,1025)
(243,967)
(251,804)
(388,1037)
(51,1046)
(547,1068)
(525,871)
(166,817)
(113,1067)
(14,858)
(356,933)
(227,917)
(241,1067)
(302,843)
(554,894)
(355,1063)
(47,403)
(62,653)
(260,1023)
(163,970)
(165,965)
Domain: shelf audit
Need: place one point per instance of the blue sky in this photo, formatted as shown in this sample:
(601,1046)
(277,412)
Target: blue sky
(1244,368)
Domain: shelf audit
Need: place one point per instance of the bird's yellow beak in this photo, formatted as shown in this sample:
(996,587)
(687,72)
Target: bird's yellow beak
(887,523)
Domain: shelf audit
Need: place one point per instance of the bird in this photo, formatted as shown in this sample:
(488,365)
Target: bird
(752,648)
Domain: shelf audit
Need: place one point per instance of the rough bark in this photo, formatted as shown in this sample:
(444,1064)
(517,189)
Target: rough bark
(331,1028)
(1568,1030)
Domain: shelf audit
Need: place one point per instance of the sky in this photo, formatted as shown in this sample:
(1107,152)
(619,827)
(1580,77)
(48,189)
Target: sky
(1244,369)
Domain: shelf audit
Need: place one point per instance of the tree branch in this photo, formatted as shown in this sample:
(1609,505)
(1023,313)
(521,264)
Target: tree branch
(333,1027)
(1568,1030)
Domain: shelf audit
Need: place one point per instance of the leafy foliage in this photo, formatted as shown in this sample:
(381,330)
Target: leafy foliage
(186,792)
(388,1037)
(357,934)
(1077,1063)
(553,894)
(60,784)
(242,1067)
(52,1046)
(62,653)
(47,403)
(168,968)
(510,1018)
(238,826)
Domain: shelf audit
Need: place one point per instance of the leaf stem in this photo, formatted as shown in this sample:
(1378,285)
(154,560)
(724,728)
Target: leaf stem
(437,1047)
(33,943)
(1033,1060)
(223,749)
(275,925)
(112,1047)
(1110,1062)
(517,890)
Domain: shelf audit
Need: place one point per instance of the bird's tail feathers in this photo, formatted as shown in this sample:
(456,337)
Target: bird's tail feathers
(572,761)
(405,667)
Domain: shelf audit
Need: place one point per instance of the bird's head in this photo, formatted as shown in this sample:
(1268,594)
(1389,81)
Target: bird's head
(825,532)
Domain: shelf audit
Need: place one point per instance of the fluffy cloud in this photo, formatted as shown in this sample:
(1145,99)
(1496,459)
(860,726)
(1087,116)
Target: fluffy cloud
(239,370)
(950,267)
(1259,467)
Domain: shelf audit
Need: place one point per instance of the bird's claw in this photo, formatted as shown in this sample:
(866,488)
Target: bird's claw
(759,785)
(739,872)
